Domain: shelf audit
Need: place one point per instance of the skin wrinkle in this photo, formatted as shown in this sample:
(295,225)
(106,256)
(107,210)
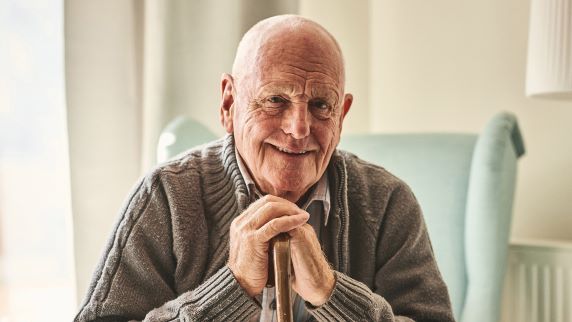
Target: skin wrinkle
(288,92)
(290,88)
(284,105)
(301,67)
(266,32)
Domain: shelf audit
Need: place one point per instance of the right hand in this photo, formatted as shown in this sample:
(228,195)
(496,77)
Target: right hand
(250,234)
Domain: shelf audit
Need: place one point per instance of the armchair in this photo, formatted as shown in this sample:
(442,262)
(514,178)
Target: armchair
(465,185)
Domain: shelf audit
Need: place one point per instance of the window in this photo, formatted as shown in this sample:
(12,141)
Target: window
(36,268)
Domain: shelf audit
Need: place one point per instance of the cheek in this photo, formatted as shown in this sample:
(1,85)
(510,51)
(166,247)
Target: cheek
(257,127)
(327,135)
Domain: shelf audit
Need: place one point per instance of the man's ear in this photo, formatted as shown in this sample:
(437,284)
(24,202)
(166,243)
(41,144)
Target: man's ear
(348,100)
(227,102)
(346,104)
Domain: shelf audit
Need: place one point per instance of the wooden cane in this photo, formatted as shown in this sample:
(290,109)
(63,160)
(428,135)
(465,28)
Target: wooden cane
(282,272)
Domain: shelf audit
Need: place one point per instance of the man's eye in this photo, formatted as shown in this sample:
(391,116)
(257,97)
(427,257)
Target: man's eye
(274,104)
(276,100)
(319,104)
(321,108)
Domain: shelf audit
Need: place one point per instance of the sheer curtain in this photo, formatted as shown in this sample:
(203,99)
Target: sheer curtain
(132,66)
(36,268)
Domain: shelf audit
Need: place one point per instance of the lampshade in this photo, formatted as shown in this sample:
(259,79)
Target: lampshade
(549,65)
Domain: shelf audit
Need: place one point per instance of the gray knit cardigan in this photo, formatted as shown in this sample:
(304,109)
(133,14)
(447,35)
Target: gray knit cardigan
(166,258)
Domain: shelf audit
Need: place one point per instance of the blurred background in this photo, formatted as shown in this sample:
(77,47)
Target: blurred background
(87,86)
(37,281)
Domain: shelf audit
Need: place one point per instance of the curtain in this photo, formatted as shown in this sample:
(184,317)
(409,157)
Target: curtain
(36,263)
(131,67)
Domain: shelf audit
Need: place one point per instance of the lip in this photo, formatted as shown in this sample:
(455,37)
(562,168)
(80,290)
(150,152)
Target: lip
(293,151)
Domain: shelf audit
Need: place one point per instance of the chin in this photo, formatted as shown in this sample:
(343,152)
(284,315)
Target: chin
(292,185)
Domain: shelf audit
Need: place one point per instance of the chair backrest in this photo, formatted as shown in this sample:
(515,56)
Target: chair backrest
(437,168)
(464,184)
(181,134)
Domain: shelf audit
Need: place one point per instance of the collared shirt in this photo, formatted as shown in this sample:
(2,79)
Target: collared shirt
(318,206)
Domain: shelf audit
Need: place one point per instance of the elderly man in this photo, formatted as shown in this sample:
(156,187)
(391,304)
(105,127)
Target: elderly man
(192,242)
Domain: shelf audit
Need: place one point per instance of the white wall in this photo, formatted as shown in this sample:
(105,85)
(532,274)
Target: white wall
(348,22)
(448,66)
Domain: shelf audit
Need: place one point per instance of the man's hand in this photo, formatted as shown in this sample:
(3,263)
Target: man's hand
(250,234)
(313,278)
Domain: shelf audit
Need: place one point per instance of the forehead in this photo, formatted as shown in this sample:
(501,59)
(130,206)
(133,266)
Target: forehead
(300,59)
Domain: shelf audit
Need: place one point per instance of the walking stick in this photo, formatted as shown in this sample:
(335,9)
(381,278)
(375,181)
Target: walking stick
(282,272)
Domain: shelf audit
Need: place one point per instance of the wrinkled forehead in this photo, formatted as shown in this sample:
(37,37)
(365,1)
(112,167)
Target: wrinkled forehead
(301,54)
(304,51)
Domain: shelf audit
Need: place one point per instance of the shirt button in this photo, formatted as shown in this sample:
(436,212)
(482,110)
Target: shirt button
(273,304)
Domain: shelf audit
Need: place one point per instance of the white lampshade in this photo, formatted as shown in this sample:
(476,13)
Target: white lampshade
(549,65)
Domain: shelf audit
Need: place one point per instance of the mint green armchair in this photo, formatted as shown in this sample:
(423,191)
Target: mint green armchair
(181,134)
(465,185)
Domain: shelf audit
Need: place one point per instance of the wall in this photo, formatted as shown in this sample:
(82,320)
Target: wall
(348,22)
(457,65)
(448,66)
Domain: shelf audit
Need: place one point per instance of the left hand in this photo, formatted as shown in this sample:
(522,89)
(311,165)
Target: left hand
(312,279)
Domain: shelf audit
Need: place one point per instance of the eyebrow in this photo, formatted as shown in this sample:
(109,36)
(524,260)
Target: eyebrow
(276,88)
(318,90)
(324,91)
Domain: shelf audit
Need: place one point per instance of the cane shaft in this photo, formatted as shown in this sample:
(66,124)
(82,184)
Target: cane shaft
(282,272)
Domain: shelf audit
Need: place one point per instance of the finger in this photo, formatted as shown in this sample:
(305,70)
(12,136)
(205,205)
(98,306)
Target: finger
(273,210)
(281,225)
(304,242)
(246,214)
(303,232)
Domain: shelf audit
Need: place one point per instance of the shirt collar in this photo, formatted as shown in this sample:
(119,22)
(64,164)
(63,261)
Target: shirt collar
(320,190)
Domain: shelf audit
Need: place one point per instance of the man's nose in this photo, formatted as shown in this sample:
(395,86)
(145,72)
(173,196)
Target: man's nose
(296,121)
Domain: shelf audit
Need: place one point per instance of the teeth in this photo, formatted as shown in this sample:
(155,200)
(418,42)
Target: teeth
(289,151)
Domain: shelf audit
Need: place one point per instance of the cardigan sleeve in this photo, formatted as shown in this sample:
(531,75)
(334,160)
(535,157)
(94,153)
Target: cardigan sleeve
(407,286)
(135,277)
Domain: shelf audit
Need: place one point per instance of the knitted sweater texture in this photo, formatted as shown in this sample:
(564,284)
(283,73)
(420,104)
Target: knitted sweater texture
(165,260)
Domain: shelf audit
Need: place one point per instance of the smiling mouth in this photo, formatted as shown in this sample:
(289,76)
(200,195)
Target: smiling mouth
(290,152)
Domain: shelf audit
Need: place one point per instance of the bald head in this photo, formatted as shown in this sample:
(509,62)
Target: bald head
(279,32)
(285,103)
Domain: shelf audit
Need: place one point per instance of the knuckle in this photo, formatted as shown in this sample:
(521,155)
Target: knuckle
(253,223)
(236,226)
(269,207)
(273,228)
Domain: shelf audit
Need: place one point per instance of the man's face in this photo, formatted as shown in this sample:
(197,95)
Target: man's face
(288,113)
